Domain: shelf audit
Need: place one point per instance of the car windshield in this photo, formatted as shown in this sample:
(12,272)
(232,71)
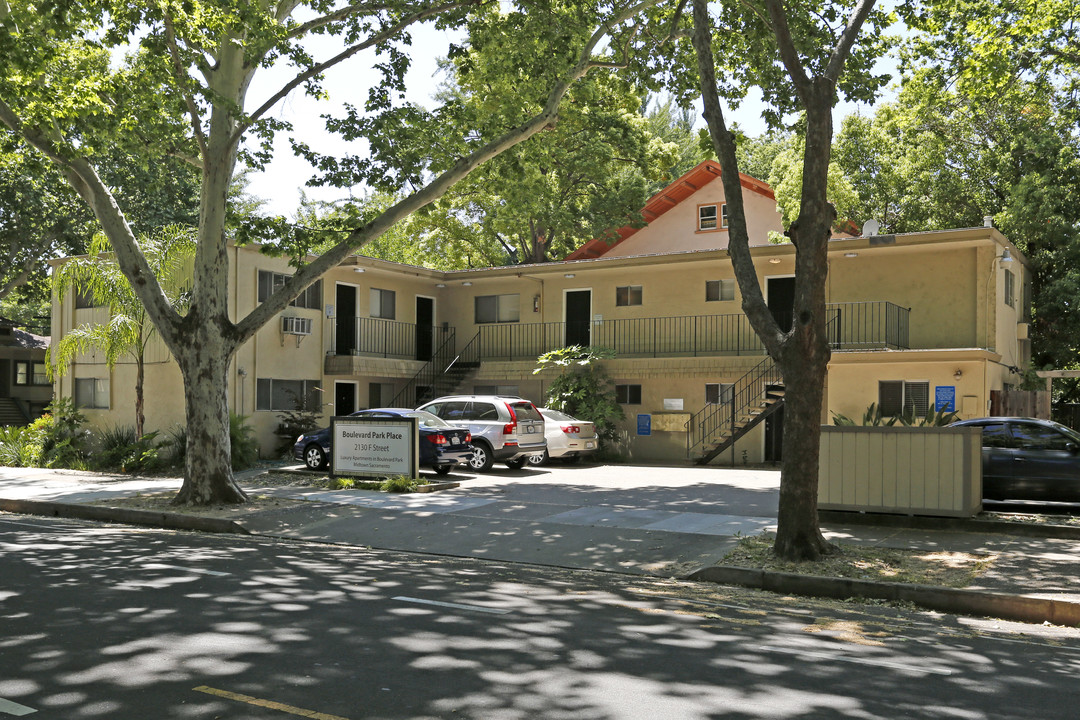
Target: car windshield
(556,415)
(1065,429)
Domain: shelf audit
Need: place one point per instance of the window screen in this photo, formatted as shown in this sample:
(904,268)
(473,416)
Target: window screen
(383,304)
(898,397)
(707,217)
(718,290)
(628,295)
(497,308)
(719,393)
(287,395)
(271,282)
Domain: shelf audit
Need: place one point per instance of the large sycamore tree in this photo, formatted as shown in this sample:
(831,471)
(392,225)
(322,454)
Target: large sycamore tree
(182,94)
(802,56)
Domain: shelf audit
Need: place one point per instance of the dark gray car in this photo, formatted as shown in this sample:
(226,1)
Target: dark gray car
(504,429)
(1028,459)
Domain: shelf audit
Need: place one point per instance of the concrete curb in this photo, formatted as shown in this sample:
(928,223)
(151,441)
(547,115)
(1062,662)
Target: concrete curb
(1001,527)
(170,521)
(930,597)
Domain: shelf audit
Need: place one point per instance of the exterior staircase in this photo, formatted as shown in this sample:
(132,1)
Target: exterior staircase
(444,374)
(11,413)
(754,397)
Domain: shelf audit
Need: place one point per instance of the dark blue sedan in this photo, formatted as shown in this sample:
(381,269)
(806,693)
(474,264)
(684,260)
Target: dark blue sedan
(442,446)
(1028,459)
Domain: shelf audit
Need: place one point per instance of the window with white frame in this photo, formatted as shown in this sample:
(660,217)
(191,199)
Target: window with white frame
(30,373)
(712,217)
(272,394)
(271,282)
(1010,288)
(719,393)
(899,397)
(92,393)
(497,308)
(628,394)
(380,394)
(383,304)
(627,295)
(718,290)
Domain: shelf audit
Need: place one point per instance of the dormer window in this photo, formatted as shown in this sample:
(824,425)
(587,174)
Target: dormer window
(710,215)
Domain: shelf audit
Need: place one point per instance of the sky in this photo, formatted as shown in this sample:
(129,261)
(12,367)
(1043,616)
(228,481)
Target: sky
(282,183)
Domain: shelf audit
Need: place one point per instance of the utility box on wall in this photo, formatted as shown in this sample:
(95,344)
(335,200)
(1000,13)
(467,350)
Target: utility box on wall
(913,471)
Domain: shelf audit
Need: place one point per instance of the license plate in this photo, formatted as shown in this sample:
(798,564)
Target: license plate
(589,445)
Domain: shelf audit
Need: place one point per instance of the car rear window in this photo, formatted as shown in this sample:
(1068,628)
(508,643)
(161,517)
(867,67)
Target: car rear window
(526,411)
(557,416)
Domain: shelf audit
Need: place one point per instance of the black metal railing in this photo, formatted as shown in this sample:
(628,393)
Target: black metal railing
(858,325)
(386,338)
(431,380)
(716,421)
(867,325)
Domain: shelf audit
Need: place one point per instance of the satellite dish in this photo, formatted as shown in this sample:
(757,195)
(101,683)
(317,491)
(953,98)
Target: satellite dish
(870,227)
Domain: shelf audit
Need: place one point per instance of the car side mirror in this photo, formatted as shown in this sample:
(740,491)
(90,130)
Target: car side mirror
(1072,447)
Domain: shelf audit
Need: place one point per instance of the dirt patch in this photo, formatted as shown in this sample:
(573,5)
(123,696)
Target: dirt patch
(859,562)
(162,502)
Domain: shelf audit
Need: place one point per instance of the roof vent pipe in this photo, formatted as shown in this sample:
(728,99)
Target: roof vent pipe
(988,221)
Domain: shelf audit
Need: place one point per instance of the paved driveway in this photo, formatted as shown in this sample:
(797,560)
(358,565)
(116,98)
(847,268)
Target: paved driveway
(631,517)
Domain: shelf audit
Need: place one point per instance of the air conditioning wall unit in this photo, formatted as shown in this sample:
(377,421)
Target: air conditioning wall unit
(295,325)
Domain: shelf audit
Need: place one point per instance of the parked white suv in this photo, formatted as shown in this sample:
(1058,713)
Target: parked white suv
(504,429)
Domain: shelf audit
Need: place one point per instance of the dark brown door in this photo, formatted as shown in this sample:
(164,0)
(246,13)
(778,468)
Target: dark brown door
(578,317)
(425,327)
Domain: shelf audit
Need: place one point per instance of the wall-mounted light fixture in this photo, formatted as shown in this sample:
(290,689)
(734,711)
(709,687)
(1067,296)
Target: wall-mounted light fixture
(241,372)
(467,283)
(568,276)
(958,374)
(774,261)
(440,285)
(536,303)
(1006,257)
(358,270)
(851,254)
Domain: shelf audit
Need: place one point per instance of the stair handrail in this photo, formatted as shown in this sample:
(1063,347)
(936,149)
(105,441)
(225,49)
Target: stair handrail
(747,393)
(432,369)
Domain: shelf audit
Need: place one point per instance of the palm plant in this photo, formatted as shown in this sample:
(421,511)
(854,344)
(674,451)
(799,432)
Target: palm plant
(129,331)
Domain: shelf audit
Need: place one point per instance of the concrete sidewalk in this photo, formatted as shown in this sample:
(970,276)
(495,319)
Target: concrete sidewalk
(646,520)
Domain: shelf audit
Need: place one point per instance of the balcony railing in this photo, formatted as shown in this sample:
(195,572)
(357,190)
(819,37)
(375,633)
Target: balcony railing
(861,325)
(386,338)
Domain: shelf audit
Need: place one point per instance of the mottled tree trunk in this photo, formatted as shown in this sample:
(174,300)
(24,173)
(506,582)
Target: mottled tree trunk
(208,477)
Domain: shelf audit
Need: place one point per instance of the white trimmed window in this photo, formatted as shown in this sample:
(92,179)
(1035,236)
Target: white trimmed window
(719,393)
(92,393)
(710,215)
(897,397)
(1010,288)
(271,282)
(383,304)
(718,290)
(497,308)
(287,395)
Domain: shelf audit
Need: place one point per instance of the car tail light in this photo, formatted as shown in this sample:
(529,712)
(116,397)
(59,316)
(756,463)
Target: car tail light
(468,437)
(437,439)
(571,429)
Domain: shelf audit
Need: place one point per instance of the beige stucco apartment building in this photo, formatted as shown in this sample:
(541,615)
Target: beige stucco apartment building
(917,320)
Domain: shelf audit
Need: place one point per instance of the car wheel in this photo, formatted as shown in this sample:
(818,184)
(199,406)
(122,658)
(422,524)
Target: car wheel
(572,459)
(481,458)
(443,469)
(539,459)
(517,464)
(314,457)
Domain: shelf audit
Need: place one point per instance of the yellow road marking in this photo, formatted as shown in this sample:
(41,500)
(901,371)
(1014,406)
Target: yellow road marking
(268,704)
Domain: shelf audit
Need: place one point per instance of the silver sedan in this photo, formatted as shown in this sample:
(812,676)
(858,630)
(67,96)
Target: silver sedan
(568,439)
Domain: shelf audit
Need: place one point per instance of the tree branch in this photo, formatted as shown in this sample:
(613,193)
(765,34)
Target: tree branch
(84,179)
(786,45)
(347,11)
(181,76)
(345,54)
(753,302)
(437,187)
(843,47)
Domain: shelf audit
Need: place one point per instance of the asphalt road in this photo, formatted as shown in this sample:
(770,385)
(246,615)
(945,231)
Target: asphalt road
(109,622)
